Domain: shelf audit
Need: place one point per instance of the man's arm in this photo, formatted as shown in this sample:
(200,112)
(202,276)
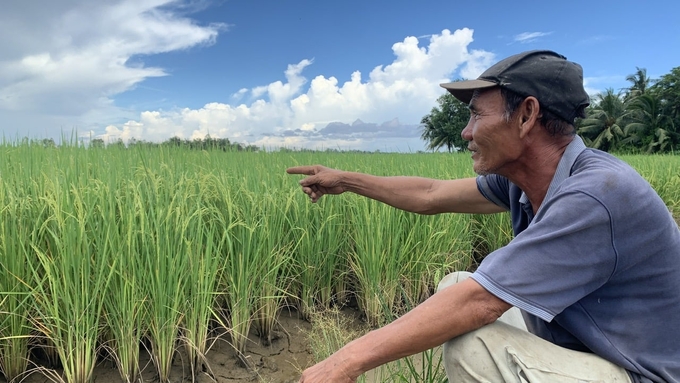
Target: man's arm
(456,310)
(414,194)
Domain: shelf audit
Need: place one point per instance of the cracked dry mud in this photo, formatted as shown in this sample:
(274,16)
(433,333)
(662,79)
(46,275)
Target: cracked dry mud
(282,362)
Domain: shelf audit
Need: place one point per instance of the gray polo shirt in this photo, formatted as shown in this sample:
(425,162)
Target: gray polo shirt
(597,268)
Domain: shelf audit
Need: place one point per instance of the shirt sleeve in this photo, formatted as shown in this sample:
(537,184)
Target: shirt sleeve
(495,188)
(565,254)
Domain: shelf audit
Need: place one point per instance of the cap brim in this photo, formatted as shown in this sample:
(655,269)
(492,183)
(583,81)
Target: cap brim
(463,90)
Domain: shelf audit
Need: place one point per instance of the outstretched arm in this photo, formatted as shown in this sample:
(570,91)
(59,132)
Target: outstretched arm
(414,194)
(456,310)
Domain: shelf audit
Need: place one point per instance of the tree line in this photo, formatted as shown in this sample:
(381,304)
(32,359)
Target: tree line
(642,118)
(206,143)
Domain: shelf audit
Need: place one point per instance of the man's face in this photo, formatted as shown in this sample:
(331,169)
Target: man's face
(493,141)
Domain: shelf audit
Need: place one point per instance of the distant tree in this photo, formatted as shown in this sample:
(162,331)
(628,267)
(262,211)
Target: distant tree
(603,127)
(118,143)
(639,83)
(174,141)
(444,124)
(649,128)
(667,90)
(97,143)
(48,143)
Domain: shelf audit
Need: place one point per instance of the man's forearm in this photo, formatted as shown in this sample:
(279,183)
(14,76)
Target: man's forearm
(421,195)
(402,192)
(449,313)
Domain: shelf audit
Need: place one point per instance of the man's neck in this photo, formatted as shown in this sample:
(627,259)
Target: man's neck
(534,172)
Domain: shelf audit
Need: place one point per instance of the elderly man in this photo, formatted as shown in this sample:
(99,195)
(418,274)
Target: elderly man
(594,267)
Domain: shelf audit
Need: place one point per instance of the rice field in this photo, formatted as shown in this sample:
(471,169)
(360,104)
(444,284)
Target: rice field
(106,249)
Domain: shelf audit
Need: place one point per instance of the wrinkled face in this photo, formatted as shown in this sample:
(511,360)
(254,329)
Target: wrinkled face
(493,141)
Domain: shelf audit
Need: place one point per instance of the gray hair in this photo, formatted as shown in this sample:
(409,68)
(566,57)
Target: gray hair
(556,126)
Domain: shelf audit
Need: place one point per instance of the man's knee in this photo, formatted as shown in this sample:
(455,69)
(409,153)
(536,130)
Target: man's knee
(512,317)
(475,356)
(499,352)
(452,279)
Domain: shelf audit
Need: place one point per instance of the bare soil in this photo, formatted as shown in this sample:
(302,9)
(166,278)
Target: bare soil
(281,362)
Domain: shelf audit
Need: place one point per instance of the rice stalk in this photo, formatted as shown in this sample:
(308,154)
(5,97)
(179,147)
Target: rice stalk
(15,291)
(164,223)
(69,298)
(380,245)
(204,245)
(240,281)
(273,275)
(319,259)
(124,315)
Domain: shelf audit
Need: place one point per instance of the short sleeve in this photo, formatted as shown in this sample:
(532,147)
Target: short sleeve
(495,188)
(565,254)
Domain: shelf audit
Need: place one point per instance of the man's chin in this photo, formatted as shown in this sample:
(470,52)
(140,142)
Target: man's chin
(480,171)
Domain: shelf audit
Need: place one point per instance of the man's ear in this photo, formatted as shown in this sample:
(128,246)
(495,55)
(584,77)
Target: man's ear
(529,114)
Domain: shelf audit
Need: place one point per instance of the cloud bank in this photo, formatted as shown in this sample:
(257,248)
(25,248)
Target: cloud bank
(68,59)
(317,113)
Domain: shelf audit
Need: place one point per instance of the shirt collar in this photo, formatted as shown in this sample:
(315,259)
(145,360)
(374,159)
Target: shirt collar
(563,171)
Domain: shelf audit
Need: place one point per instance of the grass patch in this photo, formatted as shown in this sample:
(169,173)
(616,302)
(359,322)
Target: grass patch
(333,328)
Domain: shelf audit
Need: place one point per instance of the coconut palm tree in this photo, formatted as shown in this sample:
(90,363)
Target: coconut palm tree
(668,91)
(639,83)
(649,127)
(603,128)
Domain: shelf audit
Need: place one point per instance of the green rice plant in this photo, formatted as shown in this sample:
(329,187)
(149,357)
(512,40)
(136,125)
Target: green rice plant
(319,261)
(124,314)
(16,228)
(235,295)
(273,276)
(165,223)
(488,232)
(204,268)
(164,238)
(255,264)
(331,329)
(71,279)
(200,301)
(380,246)
(442,246)
(424,367)
(240,283)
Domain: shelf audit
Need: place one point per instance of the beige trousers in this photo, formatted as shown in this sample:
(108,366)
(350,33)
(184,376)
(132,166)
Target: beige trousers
(505,351)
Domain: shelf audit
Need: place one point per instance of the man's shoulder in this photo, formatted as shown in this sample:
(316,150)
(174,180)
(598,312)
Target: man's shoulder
(601,173)
(597,160)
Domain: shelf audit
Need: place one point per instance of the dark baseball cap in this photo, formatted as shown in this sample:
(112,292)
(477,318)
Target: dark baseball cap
(556,82)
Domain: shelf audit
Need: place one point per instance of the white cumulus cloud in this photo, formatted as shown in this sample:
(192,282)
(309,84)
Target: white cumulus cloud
(69,57)
(294,112)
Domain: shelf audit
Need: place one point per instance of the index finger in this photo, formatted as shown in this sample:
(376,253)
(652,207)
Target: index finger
(306,170)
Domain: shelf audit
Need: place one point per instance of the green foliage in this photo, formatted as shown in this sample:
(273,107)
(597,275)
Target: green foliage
(603,127)
(639,83)
(642,118)
(667,90)
(442,127)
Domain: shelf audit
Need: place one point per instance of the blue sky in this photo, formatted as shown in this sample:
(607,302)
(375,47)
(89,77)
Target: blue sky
(313,74)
